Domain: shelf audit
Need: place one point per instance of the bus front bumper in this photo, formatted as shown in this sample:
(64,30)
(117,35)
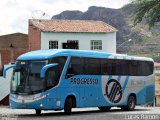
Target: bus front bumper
(29,102)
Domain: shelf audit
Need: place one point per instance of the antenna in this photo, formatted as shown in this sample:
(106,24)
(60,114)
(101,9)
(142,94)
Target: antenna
(38,14)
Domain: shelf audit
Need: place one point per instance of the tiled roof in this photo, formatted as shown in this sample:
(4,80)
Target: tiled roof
(72,26)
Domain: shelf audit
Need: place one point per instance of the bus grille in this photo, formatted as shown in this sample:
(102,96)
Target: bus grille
(150,94)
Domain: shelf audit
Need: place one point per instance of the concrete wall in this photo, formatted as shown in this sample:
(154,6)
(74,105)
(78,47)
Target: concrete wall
(108,40)
(11,46)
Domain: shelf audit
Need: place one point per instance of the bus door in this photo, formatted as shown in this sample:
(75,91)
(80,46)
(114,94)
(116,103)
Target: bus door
(52,80)
(91,91)
(81,96)
(91,96)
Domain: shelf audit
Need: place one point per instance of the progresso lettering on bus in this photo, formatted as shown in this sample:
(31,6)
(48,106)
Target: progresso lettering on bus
(84,81)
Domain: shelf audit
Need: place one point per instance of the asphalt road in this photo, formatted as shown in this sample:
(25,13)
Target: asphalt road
(140,113)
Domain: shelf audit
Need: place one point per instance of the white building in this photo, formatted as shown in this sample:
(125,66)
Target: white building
(72,34)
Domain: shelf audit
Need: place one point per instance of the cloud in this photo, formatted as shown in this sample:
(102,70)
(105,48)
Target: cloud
(15,13)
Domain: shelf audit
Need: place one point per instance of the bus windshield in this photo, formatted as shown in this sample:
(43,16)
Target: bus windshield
(26,77)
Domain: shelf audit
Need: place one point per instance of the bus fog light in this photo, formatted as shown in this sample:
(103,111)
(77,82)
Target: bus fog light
(58,102)
(41,105)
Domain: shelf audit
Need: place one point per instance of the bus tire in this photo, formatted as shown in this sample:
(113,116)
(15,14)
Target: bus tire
(38,112)
(131,103)
(68,106)
(104,109)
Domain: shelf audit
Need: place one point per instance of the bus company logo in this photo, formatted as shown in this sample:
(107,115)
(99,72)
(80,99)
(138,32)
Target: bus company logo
(113,91)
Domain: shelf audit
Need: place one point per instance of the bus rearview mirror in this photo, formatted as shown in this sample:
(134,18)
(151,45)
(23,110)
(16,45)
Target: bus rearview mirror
(45,68)
(6,69)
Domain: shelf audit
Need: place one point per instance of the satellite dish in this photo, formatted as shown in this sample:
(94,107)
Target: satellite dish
(37,14)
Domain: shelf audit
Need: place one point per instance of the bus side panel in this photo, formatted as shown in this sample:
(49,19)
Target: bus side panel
(112,90)
(135,86)
(146,95)
(141,86)
(91,96)
(68,91)
(85,88)
(52,98)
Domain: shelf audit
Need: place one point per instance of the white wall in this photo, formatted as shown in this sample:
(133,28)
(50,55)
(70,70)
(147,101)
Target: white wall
(108,40)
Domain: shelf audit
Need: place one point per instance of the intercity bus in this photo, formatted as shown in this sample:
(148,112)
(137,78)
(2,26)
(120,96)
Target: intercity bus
(60,79)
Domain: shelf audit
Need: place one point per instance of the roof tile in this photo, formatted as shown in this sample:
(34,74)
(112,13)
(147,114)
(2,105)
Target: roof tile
(72,26)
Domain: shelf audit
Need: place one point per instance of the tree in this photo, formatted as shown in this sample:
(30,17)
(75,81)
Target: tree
(149,9)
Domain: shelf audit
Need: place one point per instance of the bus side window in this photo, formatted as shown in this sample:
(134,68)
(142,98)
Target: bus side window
(69,71)
(52,77)
(104,67)
(60,60)
(148,68)
(76,67)
(92,66)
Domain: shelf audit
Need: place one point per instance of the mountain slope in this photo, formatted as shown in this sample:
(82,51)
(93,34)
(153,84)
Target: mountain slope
(143,40)
(113,17)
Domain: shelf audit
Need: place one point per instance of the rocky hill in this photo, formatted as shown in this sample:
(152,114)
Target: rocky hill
(143,39)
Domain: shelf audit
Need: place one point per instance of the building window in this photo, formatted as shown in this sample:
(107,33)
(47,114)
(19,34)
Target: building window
(96,44)
(72,44)
(53,44)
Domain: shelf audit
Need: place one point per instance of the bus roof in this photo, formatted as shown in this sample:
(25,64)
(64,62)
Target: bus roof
(47,54)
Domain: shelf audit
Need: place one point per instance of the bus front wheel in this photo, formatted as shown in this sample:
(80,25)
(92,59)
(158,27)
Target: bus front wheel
(68,106)
(38,112)
(130,103)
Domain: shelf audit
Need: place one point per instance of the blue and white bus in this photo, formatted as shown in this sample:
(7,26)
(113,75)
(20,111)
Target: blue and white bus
(64,79)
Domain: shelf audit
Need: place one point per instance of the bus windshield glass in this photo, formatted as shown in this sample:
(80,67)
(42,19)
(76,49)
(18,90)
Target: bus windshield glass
(26,77)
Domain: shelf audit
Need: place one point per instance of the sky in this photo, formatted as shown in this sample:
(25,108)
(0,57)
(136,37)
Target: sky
(15,13)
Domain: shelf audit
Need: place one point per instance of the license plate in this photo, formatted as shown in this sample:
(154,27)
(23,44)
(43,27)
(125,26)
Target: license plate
(23,106)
